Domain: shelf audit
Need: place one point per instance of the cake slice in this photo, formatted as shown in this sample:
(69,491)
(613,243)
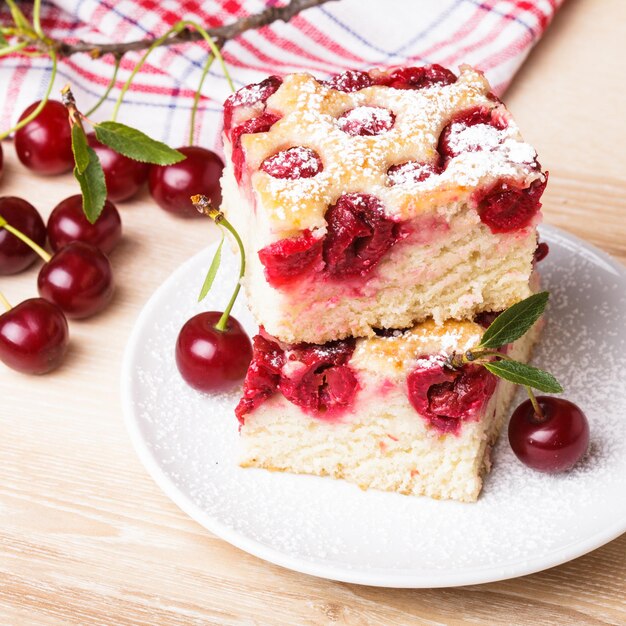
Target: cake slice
(378,199)
(384,412)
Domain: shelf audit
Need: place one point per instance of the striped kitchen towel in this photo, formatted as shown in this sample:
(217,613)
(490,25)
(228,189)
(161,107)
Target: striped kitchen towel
(493,35)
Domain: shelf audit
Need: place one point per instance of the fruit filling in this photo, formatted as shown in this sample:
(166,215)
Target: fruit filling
(259,124)
(294,163)
(471,131)
(316,378)
(250,96)
(447,397)
(366,121)
(358,236)
(419,77)
(349,81)
(506,208)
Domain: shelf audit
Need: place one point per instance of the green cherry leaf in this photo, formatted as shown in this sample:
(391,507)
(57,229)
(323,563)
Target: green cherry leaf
(210,277)
(92,186)
(79,148)
(136,145)
(522,374)
(515,321)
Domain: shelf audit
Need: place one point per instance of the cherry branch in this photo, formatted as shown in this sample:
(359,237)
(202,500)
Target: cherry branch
(221,33)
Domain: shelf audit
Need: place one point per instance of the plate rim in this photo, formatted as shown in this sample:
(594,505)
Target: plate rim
(433,579)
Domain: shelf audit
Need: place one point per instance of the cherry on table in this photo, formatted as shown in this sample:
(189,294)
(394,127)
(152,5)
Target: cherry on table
(209,359)
(123,176)
(33,336)
(67,223)
(171,186)
(44,145)
(15,255)
(78,279)
(554,442)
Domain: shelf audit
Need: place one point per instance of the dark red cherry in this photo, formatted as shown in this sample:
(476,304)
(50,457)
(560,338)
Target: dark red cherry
(420,77)
(290,258)
(359,235)
(259,124)
(454,140)
(123,176)
(448,397)
(172,186)
(554,442)
(506,208)
(366,121)
(78,278)
(67,223)
(209,359)
(15,255)
(44,145)
(349,81)
(320,380)
(541,251)
(263,375)
(293,163)
(250,96)
(33,336)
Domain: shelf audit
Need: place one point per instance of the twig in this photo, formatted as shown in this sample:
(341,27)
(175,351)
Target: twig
(226,32)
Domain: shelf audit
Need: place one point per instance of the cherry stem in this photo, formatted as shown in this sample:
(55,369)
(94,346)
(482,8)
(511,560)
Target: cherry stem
(203,204)
(27,240)
(5,302)
(67,97)
(42,103)
(105,95)
(196,98)
(174,30)
(533,400)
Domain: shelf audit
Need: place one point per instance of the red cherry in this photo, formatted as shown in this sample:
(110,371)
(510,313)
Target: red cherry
(78,278)
(15,255)
(554,442)
(172,186)
(33,336)
(209,359)
(293,163)
(44,145)
(123,176)
(366,121)
(67,223)
(420,77)
(349,81)
(1,160)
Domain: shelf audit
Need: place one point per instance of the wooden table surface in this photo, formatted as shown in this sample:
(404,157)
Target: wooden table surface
(87,538)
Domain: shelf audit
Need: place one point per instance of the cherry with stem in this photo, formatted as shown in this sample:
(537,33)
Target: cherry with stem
(213,350)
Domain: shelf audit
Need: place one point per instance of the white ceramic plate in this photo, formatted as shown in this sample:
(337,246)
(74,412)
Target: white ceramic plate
(523,522)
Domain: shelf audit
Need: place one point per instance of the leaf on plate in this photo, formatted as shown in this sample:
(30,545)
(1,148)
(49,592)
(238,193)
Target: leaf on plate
(515,321)
(522,374)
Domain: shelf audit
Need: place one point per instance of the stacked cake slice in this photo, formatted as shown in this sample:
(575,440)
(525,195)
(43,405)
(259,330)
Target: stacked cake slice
(383,214)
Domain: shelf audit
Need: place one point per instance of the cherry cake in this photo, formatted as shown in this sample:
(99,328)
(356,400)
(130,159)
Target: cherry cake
(385,412)
(378,199)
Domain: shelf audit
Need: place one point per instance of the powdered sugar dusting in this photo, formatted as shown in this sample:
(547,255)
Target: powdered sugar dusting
(334,528)
(360,134)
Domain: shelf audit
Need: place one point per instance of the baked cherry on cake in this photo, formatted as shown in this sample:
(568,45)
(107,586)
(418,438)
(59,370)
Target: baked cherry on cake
(377,199)
(385,412)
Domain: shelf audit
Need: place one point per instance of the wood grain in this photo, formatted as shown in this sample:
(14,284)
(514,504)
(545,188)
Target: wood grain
(87,538)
